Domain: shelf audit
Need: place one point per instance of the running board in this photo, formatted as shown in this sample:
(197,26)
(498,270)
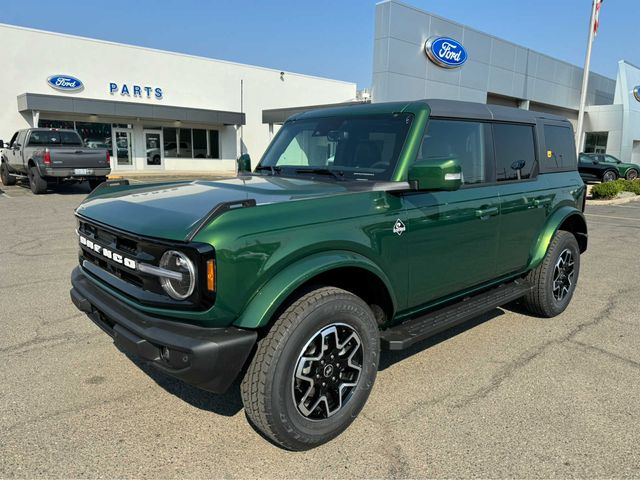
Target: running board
(411,331)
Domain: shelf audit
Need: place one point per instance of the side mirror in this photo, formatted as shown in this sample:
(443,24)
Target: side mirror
(436,174)
(244,163)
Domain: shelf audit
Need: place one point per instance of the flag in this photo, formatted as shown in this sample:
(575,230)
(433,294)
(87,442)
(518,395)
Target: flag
(595,20)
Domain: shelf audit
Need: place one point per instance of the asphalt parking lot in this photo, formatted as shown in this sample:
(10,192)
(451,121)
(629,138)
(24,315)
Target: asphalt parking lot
(507,396)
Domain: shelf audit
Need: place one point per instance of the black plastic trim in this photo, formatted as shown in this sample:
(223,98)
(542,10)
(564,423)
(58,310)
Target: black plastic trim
(209,358)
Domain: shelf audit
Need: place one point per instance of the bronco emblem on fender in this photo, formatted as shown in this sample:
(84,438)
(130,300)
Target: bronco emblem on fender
(399,227)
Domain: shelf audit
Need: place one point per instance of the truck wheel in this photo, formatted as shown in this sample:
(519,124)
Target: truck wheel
(94,182)
(36,182)
(555,279)
(313,372)
(6,177)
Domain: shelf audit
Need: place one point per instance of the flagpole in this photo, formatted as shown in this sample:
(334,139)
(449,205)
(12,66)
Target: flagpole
(585,80)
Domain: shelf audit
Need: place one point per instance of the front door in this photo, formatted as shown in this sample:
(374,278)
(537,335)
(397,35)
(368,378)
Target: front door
(154,155)
(122,149)
(452,237)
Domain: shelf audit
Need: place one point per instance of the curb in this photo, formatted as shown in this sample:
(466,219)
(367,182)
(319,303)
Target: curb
(613,201)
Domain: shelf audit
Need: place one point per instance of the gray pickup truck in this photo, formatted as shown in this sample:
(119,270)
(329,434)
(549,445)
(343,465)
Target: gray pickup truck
(50,156)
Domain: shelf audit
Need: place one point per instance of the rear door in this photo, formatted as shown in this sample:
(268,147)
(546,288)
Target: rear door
(587,168)
(524,195)
(452,236)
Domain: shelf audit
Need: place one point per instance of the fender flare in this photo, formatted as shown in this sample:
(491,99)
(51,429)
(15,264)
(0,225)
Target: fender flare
(553,224)
(271,295)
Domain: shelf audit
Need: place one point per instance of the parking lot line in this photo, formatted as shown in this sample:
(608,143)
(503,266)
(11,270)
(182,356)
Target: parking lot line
(612,217)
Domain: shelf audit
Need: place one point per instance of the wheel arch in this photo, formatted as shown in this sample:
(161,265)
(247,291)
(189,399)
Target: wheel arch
(343,269)
(566,218)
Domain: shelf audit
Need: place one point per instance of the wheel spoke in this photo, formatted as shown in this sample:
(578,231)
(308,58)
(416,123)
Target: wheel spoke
(327,371)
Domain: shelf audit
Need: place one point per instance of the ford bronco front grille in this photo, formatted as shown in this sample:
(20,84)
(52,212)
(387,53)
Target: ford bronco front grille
(113,256)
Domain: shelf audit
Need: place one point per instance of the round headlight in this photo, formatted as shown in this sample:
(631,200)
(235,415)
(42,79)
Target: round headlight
(180,263)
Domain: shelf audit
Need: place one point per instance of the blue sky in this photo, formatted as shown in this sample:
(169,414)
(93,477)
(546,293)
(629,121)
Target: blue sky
(330,38)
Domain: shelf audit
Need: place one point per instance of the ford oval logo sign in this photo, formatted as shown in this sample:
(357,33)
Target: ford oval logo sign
(636,92)
(445,52)
(66,83)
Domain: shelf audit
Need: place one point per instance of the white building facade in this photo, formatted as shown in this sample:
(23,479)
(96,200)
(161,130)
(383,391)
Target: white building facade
(154,110)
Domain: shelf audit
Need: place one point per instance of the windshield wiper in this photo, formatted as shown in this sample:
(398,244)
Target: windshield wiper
(337,174)
(271,168)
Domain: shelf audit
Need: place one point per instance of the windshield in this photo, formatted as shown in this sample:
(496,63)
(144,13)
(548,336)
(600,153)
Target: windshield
(360,148)
(54,137)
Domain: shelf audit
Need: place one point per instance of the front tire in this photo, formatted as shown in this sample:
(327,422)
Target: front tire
(632,174)
(313,372)
(5,176)
(555,279)
(609,176)
(36,182)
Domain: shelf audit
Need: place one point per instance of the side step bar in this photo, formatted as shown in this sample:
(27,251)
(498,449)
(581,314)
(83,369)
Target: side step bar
(411,331)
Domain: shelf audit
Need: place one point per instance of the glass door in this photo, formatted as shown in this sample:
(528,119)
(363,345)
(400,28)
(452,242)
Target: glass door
(153,149)
(122,149)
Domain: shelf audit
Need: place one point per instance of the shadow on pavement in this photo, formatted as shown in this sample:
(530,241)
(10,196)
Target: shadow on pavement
(227,404)
(389,358)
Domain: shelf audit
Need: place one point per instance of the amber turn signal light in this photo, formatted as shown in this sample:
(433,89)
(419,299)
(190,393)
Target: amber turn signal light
(211,275)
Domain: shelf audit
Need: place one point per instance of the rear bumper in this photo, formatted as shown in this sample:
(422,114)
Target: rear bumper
(71,172)
(209,358)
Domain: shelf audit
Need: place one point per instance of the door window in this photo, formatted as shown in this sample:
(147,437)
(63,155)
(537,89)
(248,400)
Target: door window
(514,151)
(459,140)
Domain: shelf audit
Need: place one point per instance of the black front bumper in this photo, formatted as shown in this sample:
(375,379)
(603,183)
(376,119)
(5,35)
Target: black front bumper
(209,358)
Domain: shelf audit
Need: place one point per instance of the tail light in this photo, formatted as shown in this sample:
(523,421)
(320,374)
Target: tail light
(47,157)
(108,158)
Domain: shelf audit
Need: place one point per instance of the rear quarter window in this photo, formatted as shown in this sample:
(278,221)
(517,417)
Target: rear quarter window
(560,149)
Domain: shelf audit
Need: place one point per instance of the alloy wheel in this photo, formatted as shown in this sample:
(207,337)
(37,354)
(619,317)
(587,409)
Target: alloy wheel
(563,275)
(632,175)
(608,176)
(327,371)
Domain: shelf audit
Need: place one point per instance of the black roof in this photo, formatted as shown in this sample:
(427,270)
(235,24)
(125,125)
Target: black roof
(482,111)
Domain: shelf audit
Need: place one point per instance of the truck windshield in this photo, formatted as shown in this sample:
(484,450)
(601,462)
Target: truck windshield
(353,147)
(54,137)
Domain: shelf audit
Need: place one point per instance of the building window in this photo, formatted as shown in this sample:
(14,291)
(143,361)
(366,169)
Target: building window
(514,151)
(46,123)
(595,142)
(199,143)
(191,143)
(214,144)
(185,144)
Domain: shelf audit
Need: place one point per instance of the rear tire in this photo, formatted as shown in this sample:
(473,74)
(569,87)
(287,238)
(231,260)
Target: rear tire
(632,174)
(555,279)
(95,182)
(36,182)
(5,176)
(313,372)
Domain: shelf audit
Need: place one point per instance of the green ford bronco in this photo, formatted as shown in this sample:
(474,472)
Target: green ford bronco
(362,228)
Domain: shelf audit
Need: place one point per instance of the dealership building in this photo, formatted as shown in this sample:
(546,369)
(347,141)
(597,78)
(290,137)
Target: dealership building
(159,110)
(500,72)
(155,110)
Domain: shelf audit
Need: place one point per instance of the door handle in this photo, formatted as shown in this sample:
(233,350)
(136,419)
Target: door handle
(485,213)
(541,201)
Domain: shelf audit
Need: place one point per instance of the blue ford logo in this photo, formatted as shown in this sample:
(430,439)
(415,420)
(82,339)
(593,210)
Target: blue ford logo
(445,52)
(636,92)
(65,83)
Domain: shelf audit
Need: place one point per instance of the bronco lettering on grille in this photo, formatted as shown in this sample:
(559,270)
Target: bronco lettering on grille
(105,252)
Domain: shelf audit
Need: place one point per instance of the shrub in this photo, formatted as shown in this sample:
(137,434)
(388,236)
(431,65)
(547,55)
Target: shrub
(631,186)
(607,190)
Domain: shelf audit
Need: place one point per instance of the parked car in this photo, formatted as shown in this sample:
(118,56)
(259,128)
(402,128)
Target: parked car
(363,227)
(600,167)
(48,155)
